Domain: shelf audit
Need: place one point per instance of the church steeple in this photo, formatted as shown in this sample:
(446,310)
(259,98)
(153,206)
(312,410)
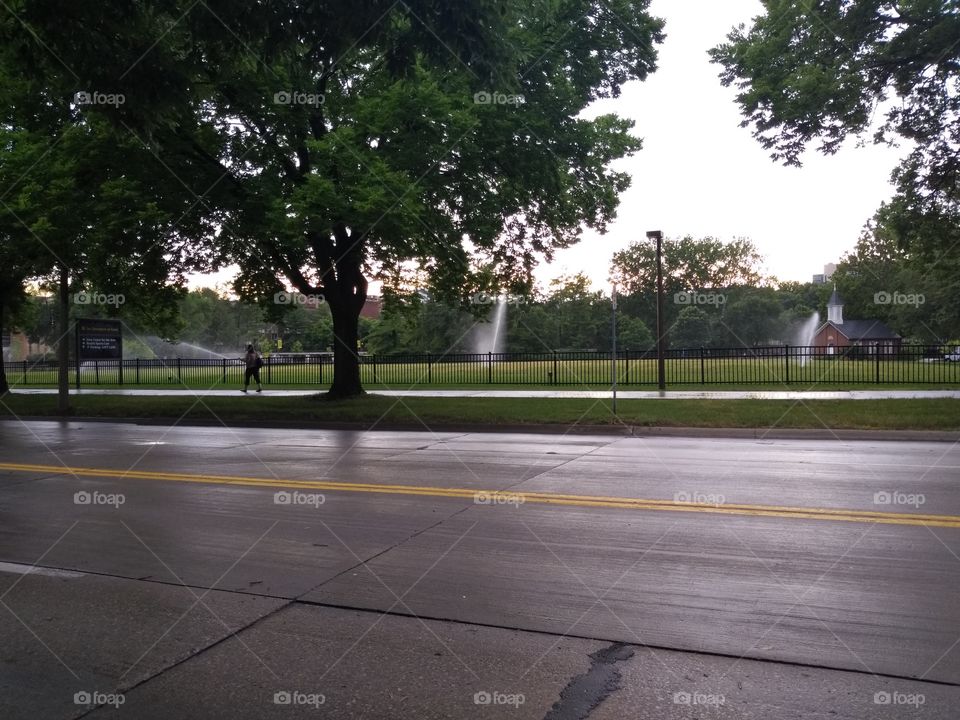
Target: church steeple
(835,308)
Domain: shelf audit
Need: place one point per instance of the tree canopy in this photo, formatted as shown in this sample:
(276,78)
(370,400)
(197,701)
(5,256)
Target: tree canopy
(345,140)
(689,264)
(827,70)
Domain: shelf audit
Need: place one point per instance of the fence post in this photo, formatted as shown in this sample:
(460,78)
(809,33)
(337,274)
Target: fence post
(24,372)
(223,362)
(556,370)
(137,371)
(374,363)
(429,369)
(626,361)
(877,348)
(489,368)
(269,365)
(786,363)
(120,371)
(179,374)
(96,371)
(703,370)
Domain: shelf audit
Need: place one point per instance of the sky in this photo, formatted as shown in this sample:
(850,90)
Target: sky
(699,173)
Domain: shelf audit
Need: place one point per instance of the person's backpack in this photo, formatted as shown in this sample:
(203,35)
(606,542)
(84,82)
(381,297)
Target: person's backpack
(259,361)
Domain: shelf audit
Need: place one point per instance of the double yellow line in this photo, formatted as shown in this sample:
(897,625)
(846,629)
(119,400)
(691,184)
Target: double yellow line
(496,497)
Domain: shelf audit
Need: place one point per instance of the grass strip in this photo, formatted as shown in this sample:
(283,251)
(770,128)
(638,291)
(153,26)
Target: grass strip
(925,414)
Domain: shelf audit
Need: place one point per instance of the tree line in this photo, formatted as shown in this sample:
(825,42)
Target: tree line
(316,145)
(716,296)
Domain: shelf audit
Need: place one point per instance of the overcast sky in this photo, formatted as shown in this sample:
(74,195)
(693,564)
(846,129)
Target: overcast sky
(700,173)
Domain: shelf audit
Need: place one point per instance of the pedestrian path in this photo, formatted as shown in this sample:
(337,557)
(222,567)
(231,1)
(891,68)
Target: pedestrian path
(570,394)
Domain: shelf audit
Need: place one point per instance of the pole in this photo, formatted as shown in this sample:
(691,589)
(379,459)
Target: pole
(613,355)
(63,344)
(661,330)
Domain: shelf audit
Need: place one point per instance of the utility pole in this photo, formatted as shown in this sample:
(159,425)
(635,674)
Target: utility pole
(613,355)
(661,330)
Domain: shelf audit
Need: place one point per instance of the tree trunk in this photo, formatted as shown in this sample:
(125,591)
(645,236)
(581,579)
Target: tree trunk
(63,344)
(346,298)
(4,386)
(344,289)
(346,361)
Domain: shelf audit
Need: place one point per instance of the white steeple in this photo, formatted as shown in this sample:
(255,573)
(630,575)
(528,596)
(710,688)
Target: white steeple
(835,308)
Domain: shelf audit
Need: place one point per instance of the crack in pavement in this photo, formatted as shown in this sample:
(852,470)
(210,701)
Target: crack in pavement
(584,693)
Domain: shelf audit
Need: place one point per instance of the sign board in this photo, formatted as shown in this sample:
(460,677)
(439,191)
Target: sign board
(99,340)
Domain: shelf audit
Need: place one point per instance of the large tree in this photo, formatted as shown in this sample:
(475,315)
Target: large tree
(354,138)
(827,70)
(374,144)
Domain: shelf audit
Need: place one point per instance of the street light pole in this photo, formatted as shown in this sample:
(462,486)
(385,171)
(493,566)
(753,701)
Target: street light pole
(613,355)
(661,340)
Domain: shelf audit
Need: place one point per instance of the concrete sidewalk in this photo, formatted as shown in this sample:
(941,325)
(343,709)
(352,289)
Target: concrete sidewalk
(569,394)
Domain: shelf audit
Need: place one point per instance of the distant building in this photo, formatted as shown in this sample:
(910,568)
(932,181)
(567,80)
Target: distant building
(873,335)
(371,307)
(828,270)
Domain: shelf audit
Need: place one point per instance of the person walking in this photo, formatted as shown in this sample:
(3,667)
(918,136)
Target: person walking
(254,361)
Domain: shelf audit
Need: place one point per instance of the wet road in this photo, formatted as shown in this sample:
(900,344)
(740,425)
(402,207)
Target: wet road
(407,574)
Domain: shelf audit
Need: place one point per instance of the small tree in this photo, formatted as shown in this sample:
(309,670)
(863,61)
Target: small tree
(693,328)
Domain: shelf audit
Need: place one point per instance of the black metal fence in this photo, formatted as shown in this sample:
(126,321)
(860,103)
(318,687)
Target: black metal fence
(774,365)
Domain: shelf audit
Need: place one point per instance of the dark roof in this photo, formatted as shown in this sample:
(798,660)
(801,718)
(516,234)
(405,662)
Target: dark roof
(834,297)
(864,330)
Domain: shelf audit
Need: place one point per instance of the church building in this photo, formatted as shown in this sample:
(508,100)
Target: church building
(874,336)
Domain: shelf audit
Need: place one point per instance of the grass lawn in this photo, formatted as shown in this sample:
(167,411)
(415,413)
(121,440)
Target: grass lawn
(681,373)
(938,414)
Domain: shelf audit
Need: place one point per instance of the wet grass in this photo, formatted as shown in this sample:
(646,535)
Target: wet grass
(435,413)
(582,374)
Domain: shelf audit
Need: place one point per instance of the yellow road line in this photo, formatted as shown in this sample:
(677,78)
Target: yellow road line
(622,503)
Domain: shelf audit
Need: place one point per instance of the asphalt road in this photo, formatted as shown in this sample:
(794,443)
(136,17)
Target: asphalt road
(215,572)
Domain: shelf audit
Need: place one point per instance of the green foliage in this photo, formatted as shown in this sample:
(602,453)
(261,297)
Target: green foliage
(882,280)
(751,320)
(324,141)
(633,334)
(829,69)
(819,70)
(212,321)
(82,196)
(693,328)
(319,142)
(688,264)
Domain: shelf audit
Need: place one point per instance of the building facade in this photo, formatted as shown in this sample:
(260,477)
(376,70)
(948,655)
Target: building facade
(874,336)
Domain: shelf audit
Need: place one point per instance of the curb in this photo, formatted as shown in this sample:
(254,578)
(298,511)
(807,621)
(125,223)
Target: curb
(636,431)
